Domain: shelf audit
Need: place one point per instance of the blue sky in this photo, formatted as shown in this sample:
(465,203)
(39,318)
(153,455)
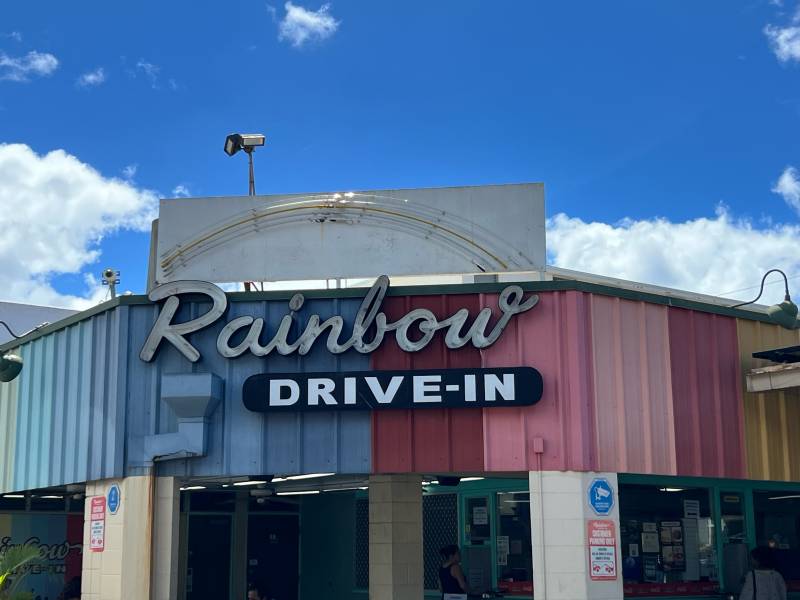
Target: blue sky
(627,111)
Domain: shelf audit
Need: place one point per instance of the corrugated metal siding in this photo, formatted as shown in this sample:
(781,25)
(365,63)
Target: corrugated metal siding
(628,387)
(242,442)
(8,432)
(634,423)
(555,338)
(707,394)
(772,418)
(66,426)
(499,439)
(431,439)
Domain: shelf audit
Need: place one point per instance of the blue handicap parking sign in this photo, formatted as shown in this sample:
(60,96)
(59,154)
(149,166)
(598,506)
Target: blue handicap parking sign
(113,499)
(601,496)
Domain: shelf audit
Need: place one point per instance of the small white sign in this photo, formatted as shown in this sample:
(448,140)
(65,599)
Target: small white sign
(480,515)
(502,550)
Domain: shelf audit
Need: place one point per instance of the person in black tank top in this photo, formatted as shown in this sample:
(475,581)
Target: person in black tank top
(451,576)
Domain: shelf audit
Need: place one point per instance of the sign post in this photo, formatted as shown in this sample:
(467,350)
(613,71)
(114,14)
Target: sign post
(602,538)
(97,524)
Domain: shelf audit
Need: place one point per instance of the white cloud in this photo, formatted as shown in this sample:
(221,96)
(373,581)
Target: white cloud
(92,78)
(788,186)
(785,41)
(301,25)
(21,68)
(14,35)
(150,71)
(708,255)
(181,191)
(56,211)
(129,171)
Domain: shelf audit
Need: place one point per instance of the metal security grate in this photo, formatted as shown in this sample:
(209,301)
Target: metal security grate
(361,558)
(439,528)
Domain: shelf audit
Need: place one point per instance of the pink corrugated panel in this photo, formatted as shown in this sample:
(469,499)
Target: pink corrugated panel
(554,337)
(633,386)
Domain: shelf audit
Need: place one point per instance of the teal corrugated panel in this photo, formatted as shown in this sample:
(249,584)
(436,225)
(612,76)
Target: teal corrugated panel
(22,448)
(60,391)
(8,428)
(84,372)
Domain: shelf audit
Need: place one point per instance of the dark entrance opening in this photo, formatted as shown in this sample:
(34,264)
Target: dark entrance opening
(209,564)
(273,553)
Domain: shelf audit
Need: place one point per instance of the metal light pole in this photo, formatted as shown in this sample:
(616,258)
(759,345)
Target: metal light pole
(247,142)
(252,173)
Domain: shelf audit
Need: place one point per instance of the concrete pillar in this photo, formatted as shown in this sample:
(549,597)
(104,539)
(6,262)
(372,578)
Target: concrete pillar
(122,571)
(560,515)
(166,539)
(395,537)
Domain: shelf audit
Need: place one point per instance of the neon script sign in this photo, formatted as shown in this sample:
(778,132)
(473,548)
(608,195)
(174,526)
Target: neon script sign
(412,332)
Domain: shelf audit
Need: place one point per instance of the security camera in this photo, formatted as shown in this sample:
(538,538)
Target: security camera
(243,141)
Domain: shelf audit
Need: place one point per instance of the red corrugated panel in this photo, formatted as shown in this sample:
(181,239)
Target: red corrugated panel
(707,396)
(429,440)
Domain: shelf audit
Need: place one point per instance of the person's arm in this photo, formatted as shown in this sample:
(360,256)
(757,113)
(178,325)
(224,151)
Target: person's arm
(747,587)
(458,573)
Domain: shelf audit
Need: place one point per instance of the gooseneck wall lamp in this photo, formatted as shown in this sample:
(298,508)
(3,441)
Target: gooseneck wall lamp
(10,364)
(10,367)
(783,314)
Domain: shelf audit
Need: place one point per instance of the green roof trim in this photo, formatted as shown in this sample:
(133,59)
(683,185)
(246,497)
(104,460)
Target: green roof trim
(423,290)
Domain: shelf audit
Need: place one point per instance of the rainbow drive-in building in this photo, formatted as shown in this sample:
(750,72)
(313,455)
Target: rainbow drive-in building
(578,437)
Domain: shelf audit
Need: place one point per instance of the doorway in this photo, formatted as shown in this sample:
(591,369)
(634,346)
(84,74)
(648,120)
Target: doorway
(273,549)
(208,573)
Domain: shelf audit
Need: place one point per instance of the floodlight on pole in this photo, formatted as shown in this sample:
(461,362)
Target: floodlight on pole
(247,142)
(783,314)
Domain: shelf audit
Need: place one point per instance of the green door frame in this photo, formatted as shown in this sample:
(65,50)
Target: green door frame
(487,488)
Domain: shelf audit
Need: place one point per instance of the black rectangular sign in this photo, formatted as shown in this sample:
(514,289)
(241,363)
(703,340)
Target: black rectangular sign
(365,390)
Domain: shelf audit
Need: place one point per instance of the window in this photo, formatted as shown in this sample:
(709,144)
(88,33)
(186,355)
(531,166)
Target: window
(667,536)
(514,545)
(777,517)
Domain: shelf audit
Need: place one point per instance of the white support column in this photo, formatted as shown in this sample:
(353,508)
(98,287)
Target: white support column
(560,514)
(140,557)
(166,539)
(396,570)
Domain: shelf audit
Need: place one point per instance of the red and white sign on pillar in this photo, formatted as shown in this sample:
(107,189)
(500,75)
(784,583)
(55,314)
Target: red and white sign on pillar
(97,524)
(602,537)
